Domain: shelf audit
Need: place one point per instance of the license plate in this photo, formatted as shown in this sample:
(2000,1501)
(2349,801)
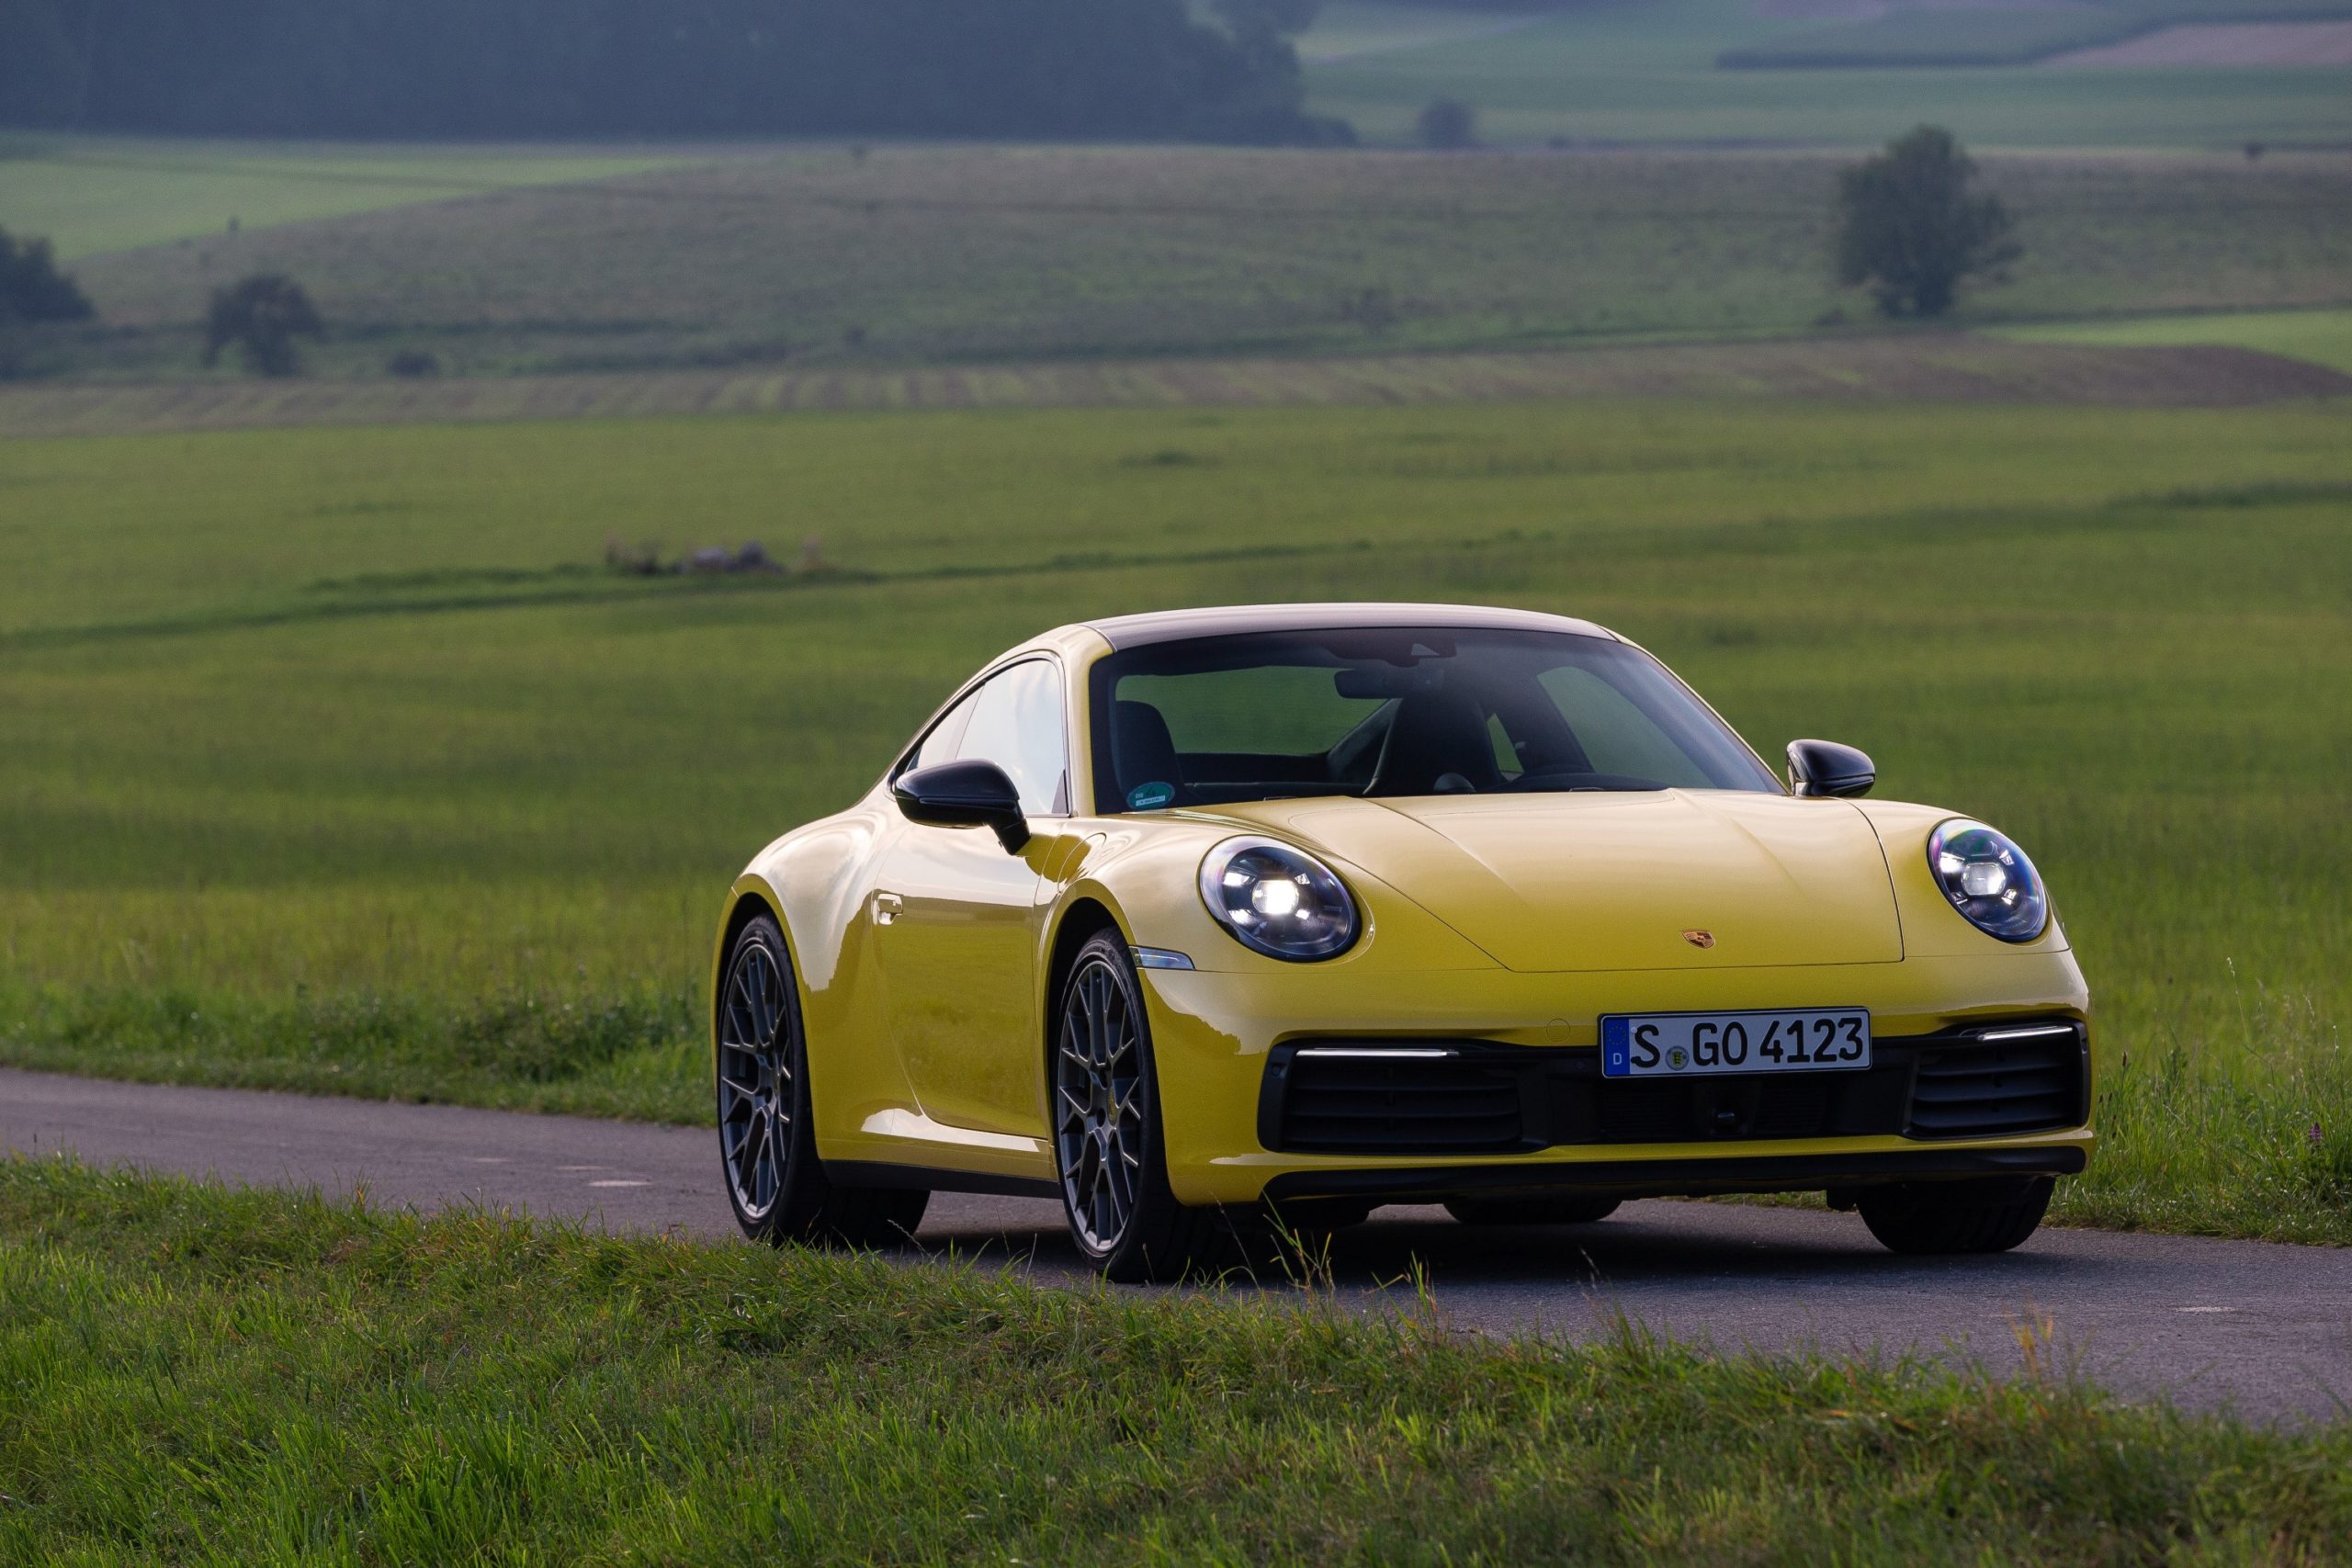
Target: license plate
(1683,1044)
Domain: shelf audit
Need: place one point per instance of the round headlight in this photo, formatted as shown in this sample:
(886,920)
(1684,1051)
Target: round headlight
(1278,900)
(1988,880)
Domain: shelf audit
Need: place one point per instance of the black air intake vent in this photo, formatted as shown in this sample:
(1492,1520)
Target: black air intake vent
(1375,1100)
(1453,1097)
(2006,1081)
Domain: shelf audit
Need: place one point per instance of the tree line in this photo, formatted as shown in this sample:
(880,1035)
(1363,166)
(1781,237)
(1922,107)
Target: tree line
(1149,69)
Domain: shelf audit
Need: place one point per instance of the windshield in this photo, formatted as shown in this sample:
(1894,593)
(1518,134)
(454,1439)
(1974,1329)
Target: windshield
(1384,712)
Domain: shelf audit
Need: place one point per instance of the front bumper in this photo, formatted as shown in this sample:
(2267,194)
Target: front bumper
(1685,1175)
(1216,1035)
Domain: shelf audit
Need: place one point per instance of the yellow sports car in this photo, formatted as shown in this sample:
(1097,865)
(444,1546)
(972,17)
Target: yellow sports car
(1319,907)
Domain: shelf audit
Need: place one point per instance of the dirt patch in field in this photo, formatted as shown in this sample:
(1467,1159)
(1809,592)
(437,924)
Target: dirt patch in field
(1953,367)
(2236,43)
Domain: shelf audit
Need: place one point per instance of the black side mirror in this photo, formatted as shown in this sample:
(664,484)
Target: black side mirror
(1823,767)
(970,794)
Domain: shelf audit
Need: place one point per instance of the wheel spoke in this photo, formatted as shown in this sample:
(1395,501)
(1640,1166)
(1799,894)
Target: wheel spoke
(762,1013)
(1106,996)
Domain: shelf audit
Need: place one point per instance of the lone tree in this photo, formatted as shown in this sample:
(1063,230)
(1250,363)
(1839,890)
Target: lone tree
(32,289)
(261,316)
(1911,225)
(1448,124)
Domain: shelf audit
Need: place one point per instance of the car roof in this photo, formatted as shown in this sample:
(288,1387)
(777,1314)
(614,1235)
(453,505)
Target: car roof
(1175,626)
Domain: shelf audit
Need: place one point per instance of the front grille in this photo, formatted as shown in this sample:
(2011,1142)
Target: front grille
(1993,1087)
(1473,1096)
(1388,1101)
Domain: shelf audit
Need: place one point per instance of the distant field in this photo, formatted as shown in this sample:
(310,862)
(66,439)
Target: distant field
(2296,45)
(1646,71)
(1919,367)
(2321,338)
(335,762)
(88,194)
(818,258)
(1347,29)
(2013,34)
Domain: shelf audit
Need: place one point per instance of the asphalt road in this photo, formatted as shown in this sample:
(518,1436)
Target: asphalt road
(2264,1329)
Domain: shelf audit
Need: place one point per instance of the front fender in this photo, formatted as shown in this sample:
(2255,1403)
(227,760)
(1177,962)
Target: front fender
(1931,926)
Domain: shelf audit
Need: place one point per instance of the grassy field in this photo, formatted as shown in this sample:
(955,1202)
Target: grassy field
(1935,35)
(193,1375)
(89,194)
(1646,71)
(820,258)
(2323,337)
(1925,366)
(336,762)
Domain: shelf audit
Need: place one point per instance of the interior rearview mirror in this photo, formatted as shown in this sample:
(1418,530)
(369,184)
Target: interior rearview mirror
(968,793)
(1823,767)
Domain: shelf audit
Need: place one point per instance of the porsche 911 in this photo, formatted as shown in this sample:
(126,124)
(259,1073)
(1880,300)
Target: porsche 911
(1305,909)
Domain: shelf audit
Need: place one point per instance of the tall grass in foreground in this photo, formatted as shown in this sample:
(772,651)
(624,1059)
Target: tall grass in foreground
(194,1374)
(2249,1134)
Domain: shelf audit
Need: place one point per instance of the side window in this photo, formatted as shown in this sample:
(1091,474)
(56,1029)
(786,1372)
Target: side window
(1017,724)
(939,746)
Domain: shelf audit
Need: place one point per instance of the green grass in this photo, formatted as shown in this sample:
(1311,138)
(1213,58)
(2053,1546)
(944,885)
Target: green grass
(188,1374)
(1645,70)
(334,762)
(817,259)
(91,194)
(2323,337)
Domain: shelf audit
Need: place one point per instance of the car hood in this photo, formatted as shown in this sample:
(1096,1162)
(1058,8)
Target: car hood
(1589,881)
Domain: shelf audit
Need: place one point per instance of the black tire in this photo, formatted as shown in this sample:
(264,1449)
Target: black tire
(1944,1217)
(1564,1210)
(767,1140)
(1109,1153)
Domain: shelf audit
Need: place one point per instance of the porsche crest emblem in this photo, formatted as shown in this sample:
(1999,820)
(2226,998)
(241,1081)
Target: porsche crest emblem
(1700,938)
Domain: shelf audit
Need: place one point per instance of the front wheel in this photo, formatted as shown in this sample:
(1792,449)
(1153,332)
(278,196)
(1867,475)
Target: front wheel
(1945,1217)
(767,1140)
(1108,1144)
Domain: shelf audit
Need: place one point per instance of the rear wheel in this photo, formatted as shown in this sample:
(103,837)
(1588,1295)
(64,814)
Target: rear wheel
(1108,1147)
(767,1142)
(1562,1211)
(1930,1217)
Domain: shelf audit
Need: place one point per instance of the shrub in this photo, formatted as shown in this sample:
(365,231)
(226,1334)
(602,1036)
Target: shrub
(32,289)
(1448,124)
(261,315)
(1373,309)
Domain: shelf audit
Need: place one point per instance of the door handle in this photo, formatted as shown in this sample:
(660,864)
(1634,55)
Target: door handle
(886,908)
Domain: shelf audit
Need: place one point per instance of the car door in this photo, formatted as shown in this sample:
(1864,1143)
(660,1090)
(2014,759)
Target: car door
(958,921)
